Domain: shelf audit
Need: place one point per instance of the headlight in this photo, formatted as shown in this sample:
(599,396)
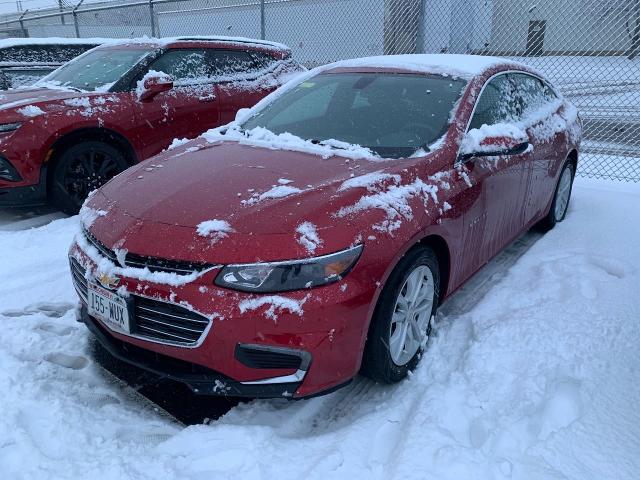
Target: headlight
(9,127)
(292,275)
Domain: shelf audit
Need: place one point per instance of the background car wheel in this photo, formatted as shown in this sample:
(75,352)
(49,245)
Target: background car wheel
(561,198)
(401,322)
(80,170)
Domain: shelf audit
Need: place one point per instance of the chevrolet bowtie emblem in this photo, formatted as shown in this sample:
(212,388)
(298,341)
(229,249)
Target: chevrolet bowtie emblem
(107,281)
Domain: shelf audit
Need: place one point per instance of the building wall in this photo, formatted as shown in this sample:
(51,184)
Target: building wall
(571,25)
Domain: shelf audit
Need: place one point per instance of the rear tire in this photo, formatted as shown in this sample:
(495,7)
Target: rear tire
(81,169)
(561,198)
(401,323)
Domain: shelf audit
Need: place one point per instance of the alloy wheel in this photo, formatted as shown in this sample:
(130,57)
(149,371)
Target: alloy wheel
(563,194)
(87,171)
(409,326)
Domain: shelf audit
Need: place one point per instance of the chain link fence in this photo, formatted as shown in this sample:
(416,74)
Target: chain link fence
(590,49)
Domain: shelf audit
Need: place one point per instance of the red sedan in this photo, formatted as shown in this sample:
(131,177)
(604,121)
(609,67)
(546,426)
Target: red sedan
(316,235)
(121,103)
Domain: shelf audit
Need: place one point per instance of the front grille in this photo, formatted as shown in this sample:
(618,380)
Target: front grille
(154,264)
(79,280)
(153,319)
(167,321)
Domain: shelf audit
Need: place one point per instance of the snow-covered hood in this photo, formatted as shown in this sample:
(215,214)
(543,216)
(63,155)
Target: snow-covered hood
(240,184)
(250,195)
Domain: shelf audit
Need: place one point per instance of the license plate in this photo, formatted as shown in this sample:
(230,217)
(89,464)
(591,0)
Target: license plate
(109,307)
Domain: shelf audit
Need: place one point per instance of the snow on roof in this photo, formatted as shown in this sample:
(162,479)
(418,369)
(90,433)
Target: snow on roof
(16,42)
(13,42)
(464,66)
(195,38)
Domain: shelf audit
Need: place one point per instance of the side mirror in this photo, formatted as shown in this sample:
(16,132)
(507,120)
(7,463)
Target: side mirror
(152,84)
(477,144)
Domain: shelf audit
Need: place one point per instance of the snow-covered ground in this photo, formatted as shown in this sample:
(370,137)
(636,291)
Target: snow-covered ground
(532,374)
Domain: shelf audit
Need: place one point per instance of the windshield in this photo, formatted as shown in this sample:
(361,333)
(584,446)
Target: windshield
(392,114)
(97,69)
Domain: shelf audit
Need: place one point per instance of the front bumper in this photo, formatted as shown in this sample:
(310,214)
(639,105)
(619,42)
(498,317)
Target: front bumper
(327,340)
(199,379)
(24,195)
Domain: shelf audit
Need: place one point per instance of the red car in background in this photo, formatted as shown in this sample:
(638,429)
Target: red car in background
(121,103)
(316,236)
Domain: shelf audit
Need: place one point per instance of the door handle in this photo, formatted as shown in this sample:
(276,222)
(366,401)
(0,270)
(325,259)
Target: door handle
(207,98)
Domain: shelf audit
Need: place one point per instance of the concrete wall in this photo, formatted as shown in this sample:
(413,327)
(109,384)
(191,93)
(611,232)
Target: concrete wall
(571,25)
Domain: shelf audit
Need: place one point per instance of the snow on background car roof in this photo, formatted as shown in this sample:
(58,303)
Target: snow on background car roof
(18,42)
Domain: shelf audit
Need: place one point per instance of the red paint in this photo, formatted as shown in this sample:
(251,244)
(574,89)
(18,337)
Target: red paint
(147,127)
(492,202)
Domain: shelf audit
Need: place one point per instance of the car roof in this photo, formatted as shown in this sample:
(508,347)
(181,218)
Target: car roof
(211,41)
(454,65)
(18,42)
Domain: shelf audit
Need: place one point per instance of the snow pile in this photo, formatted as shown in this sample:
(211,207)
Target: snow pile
(30,111)
(177,142)
(517,383)
(393,199)
(276,303)
(78,102)
(276,191)
(370,181)
(261,137)
(308,236)
(214,229)
(475,140)
(89,215)
(104,266)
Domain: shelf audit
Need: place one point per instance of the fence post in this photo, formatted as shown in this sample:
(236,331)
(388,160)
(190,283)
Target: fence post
(152,18)
(75,18)
(262,21)
(61,12)
(24,30)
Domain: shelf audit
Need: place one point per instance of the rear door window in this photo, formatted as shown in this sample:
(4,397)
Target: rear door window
(531,93)
(496,104)
(233,63)
(184,65)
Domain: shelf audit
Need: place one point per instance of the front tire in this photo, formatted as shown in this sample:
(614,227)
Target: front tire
(401,323)
(80,170)
(561,197)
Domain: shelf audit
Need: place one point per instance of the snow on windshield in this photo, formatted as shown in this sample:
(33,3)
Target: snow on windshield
(363,115)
